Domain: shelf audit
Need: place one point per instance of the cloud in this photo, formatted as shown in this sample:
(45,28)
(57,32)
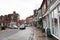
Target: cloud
(23,7)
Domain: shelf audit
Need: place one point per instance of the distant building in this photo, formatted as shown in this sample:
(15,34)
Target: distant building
(21,22)
(14,17)
(29,20)
(35,12)
(9,20)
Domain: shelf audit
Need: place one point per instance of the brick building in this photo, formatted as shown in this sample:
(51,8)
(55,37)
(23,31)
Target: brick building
(10,19)
(14,18)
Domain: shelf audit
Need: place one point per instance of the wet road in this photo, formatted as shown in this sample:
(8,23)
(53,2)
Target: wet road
(30,33)
(26,34)
(7,33)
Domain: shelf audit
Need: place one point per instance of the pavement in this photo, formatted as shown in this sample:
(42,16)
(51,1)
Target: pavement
(30,33)
(38,35)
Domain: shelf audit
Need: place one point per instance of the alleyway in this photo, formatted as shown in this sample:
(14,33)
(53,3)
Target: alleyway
(30,33)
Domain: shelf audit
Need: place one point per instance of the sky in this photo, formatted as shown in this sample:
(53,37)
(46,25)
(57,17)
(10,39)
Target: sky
(23,7)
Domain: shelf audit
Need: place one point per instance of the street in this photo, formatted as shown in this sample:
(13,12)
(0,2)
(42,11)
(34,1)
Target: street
(30,33)
(29,19)
(7,33)
(26,34)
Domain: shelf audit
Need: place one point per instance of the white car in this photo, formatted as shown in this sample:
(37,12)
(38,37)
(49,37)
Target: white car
(26,25)
(22,26)
(14,27)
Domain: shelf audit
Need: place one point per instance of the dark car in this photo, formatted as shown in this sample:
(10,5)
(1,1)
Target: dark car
(22,27)
(3,27)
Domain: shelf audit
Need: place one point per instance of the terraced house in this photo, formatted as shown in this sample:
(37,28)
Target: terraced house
(14,18)
(9,20)
(50,15)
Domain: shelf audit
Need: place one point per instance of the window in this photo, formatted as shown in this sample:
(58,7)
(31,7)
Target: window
(59,8)
(55,17)
(54,22)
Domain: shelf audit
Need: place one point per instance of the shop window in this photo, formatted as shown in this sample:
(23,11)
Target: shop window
(55,17)
(55,22)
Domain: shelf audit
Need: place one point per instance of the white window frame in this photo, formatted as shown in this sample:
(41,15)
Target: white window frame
(54,25)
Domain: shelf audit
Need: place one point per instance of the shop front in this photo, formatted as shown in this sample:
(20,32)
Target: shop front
(55,22)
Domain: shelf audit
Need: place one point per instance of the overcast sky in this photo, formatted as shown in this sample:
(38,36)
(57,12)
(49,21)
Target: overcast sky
(23,7)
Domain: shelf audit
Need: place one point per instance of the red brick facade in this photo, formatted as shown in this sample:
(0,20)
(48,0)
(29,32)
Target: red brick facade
(14,17)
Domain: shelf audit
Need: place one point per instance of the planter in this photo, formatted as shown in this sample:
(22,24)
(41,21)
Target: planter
(49,33)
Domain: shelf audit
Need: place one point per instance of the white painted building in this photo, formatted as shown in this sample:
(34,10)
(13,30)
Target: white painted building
(52,19)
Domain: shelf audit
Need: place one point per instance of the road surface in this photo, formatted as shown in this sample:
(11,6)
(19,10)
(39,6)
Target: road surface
(26,34)
(30,33)
(7,33)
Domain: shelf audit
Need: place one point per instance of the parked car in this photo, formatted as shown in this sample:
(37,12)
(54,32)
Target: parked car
(22,27)
(14,27)
(29,25)
(3,27)
(26,25)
